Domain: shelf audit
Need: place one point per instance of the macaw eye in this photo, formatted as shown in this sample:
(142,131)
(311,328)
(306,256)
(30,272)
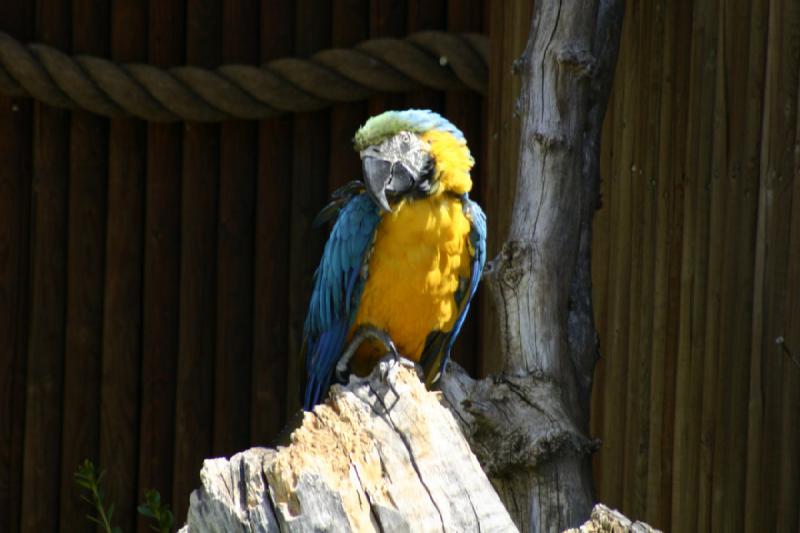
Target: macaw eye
(401,179)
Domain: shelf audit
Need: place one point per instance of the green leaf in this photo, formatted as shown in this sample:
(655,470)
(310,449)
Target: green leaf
(153,497)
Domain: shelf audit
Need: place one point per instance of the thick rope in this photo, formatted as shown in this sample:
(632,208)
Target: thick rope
(437,60)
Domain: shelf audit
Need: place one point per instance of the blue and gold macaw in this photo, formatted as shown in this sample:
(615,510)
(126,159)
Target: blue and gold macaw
(405,254)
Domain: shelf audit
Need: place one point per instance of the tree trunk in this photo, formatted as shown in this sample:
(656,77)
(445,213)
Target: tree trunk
(382,454)
(530,425)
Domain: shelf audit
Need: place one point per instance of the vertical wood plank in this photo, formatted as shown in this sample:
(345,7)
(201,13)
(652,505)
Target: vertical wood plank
(309,193)
(271,269)
(742,308)
(638,361)
(655,413)
(425,15)
(43,415)
(710,228)
(161,273)
(671,121)
(387,18)
(119,408)
(16,115)
(238,144)
(349,25)
(788,513)
(720,194)
(736,314)
(756,400)
(85,276)
(694,273)
(651,181)
(197,332)
(748,284)
(677,243)
(614,361)
(775,205)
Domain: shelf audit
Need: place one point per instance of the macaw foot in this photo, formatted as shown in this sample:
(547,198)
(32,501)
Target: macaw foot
(362,334)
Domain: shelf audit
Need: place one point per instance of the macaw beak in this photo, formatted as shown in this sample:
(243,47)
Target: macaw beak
(376,175)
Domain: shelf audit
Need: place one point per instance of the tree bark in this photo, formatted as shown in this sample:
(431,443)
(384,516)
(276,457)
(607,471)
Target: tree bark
(530,425)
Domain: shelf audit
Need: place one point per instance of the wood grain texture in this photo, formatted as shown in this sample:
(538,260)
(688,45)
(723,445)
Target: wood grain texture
(694,269)
(122,312)
(238,162)
(646,163)
(161,270)
(198,271)
(425,15)
(656,462)
(788,514)
(620,197)
(349,26)
(273,211)
(742,37)
(387,18)
(772,261)
(15,210)
(717,444)
(48,250)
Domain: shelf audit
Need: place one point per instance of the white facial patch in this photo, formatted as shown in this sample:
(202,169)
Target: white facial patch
(405,148)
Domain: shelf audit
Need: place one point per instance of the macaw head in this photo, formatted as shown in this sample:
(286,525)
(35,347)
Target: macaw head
(411,154)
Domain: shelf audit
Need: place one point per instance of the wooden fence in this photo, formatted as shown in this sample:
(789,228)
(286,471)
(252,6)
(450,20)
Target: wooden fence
(153,278)
(697,269)
(696,260)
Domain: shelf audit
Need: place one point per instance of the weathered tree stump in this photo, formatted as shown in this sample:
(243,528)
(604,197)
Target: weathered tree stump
(605,520)
(383,454)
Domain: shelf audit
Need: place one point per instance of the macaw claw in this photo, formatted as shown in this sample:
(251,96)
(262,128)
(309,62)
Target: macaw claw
(362,334)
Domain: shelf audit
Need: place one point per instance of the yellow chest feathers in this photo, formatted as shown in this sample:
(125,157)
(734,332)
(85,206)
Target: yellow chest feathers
(421,251)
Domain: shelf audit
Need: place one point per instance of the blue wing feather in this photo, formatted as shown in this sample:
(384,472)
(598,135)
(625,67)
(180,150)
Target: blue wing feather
(337,289)
(477,238)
